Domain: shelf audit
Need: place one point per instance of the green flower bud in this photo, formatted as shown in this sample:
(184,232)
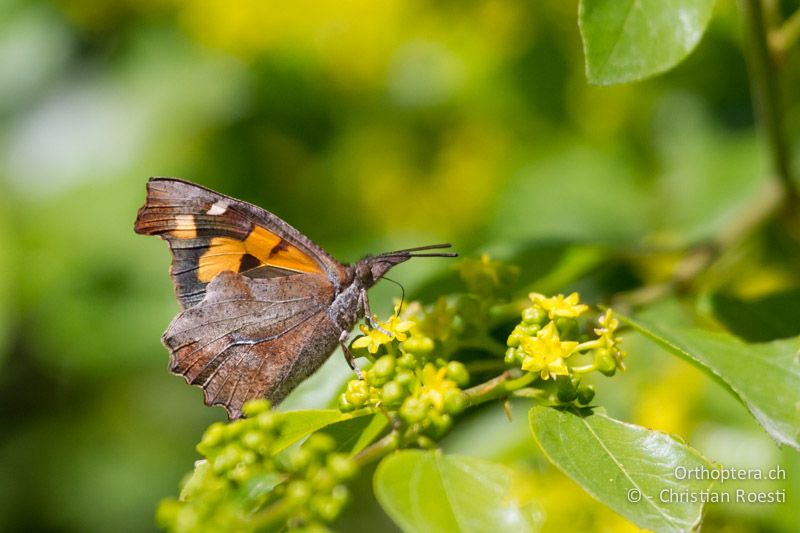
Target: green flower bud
(321,443)
(255,440)
(213,437)
(226,459)
(413,410)
(585,394)
(567,328)
(298,459)
(457,372)
(392,394)
(373,379)
(534,315)
(405,378)
(341,466)
(440,423)
(567,395)
(255,407)
(530,330)
(357,392)
(384,366)
(407,360)
(344,404)
(234,429)
(425,442)
(419,345)
(325,507)
(323,480)
(513,356)
(298,491)
(515,339)
(247,457)
(340,494)
(567,388)
(168,512)
(454,401)
(267,421)
(605,362)
(240,472)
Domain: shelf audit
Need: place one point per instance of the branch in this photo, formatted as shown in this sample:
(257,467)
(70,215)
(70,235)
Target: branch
(499,387)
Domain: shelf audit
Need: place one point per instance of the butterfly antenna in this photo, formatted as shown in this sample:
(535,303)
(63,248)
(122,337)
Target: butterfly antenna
(402,295)
(441,254)
(420,248)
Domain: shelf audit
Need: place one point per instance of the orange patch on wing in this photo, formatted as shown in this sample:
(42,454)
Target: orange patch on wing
(225,253)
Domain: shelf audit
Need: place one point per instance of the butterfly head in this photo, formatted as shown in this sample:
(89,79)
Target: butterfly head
(372,268)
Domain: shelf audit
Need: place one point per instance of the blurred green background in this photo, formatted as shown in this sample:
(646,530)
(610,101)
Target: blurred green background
(369,126)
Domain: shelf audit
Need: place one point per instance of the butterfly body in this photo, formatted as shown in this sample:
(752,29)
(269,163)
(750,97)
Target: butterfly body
(263,306)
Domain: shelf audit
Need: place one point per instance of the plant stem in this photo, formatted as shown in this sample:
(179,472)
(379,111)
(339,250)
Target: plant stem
(378,449)
(767,98)
(502,385)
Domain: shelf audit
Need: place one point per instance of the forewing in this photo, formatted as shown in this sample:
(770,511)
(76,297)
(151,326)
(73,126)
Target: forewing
(252,338)
(210,233)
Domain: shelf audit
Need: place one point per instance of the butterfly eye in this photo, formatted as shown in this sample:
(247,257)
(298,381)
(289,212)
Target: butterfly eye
(364,273)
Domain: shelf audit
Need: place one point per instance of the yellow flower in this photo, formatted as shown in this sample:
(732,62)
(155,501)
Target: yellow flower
(560,306)
(545,353)
(435,384)
(607,336)
(373,338)
(608,325)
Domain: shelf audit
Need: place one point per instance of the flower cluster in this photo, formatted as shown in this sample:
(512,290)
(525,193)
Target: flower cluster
(243,484)
(553,334)
(404,376)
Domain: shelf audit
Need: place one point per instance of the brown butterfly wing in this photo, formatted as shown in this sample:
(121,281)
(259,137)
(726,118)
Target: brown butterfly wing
(210,233)
(253,338)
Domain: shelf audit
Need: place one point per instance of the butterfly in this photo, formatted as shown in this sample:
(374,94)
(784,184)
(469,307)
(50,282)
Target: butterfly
(263,307)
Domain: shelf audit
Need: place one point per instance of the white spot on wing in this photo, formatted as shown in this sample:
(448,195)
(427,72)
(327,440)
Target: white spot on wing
(218,208)
(184,222)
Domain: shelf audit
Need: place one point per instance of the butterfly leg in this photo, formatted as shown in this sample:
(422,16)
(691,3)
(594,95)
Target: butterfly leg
(348,355)
(370,317)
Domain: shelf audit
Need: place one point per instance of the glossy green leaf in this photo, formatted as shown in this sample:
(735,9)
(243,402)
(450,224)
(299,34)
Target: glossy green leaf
(627,40)
(765,376)
(629,468)
(299,424)
(429,492)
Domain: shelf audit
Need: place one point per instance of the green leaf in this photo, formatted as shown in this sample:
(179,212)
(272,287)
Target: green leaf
(761,319)
(355,434)
(299,424)
(429,492)
(765,376)
(617,463)
(375,427)
(627,40)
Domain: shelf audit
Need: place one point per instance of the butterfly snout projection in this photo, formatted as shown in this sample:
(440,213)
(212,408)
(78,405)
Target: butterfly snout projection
(263,306)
